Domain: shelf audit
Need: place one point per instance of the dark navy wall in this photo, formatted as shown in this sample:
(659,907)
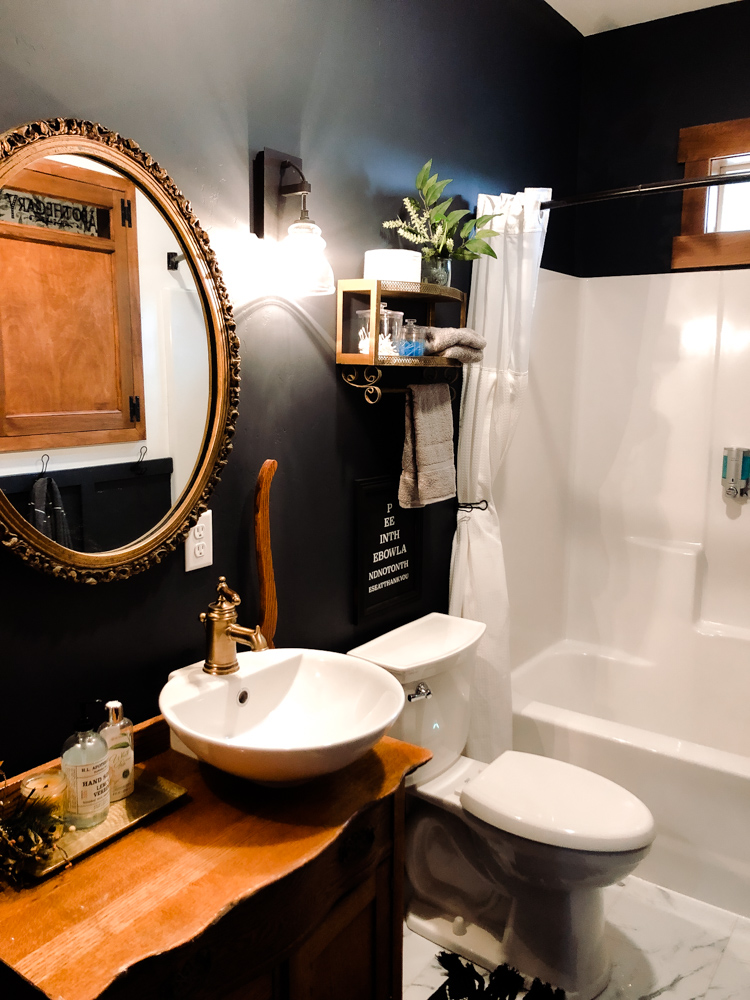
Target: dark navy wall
(365,92)
(640,86)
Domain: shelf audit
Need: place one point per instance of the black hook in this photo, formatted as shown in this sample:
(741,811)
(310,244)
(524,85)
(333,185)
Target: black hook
(479,505)
(173,260)
(138,468)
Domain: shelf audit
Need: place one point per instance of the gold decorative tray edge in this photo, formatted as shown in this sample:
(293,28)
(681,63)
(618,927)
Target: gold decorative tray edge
(150,794)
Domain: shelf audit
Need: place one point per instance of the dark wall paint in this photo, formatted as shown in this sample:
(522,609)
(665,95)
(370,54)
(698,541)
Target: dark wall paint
(365,92)
(641,85)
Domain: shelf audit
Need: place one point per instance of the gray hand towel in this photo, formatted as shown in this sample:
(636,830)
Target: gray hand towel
(429,472)
(466,355)
(439,338)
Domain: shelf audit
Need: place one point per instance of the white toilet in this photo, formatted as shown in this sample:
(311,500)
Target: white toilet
(505,861)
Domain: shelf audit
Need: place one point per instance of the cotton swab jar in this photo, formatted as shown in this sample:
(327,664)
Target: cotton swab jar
(411,343)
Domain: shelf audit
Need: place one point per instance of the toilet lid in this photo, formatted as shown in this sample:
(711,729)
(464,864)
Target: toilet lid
(556,803)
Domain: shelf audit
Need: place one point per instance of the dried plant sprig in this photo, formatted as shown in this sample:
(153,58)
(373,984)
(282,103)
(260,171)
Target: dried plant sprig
(27,839)
(435,229)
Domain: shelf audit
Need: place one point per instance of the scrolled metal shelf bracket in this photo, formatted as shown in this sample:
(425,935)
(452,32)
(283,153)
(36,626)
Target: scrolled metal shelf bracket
(371,376)
(448,375)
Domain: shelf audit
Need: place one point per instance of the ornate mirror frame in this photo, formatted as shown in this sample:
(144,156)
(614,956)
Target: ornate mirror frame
(18,148)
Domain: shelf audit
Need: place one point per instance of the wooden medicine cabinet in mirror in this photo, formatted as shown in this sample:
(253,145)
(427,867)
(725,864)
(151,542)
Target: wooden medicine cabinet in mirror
(119,376)
(69,307)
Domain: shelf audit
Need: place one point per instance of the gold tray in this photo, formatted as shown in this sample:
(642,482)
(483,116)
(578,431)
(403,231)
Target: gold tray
(150,794)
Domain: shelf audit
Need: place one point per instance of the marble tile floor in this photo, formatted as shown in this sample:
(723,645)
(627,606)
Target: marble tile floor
(663,945)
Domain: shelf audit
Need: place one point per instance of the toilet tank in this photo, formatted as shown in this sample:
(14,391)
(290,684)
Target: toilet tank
(437,651)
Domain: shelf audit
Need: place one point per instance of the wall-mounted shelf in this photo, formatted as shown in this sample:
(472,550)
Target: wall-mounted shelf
(365,293)
(364,370)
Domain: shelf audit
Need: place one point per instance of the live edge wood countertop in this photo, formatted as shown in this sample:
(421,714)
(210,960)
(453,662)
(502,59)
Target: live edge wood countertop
(178,876)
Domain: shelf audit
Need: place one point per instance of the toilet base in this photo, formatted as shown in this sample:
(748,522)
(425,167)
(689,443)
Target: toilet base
(485,950)
(476,945)
(559,938)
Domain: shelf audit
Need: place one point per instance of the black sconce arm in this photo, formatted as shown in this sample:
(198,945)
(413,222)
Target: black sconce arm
(302,188)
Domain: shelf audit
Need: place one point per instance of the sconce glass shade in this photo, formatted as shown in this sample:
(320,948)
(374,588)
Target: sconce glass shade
(305,265)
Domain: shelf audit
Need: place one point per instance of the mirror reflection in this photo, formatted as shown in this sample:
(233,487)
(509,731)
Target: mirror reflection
(105,366)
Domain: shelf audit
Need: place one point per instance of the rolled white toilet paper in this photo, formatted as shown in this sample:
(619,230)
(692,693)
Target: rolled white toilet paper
(393,265)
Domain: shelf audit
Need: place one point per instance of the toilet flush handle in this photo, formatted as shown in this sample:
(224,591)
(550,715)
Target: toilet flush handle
(420,693)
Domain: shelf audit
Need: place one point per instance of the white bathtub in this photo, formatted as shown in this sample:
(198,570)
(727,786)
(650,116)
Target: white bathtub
(682,746)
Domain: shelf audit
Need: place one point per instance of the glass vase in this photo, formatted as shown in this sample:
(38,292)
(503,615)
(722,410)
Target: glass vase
(436,271)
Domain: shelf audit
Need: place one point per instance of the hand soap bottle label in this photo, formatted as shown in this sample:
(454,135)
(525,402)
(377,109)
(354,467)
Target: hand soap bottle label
(117,733)
(121,765)
(88,787)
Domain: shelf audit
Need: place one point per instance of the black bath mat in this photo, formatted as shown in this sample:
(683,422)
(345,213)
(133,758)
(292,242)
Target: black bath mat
(505,983)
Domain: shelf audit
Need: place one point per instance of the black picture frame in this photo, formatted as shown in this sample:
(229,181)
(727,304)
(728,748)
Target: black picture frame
(388,536)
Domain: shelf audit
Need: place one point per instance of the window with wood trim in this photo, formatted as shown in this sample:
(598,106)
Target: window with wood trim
(715,220)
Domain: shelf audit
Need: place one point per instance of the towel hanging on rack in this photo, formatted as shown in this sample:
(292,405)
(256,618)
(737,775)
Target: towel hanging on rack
(46,511)
(428,467)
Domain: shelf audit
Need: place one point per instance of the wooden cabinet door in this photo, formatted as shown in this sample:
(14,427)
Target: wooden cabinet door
(349,957)
(262,988)
(70,330)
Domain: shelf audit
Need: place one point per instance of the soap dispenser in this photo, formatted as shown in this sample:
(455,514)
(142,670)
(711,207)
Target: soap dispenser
(85,765)
(117,732)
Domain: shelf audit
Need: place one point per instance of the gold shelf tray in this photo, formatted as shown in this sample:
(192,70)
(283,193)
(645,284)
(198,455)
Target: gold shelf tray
(421,289)
(150,794)
(422,361)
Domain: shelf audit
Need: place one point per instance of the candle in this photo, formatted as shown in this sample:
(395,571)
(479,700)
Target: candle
(48,787)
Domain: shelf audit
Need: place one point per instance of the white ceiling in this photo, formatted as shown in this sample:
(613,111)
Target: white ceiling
(592,16)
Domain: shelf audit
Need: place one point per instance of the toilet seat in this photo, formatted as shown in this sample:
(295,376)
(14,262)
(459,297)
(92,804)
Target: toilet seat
(556,803)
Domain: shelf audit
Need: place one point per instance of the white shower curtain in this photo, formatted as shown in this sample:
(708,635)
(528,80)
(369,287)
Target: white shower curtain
(501,306)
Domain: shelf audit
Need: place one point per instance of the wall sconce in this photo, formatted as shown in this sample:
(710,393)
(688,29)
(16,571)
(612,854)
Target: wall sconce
(303,265)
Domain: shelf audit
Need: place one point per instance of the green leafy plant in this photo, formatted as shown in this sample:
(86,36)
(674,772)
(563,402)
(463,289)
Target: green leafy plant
(431,225)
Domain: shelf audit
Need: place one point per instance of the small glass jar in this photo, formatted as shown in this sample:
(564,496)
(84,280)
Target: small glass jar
(390,332)
(47,789)
(411,344)
(363,326)
(363,330)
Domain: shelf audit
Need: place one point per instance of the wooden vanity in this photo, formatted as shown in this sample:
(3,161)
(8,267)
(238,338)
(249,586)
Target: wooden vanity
(238,892)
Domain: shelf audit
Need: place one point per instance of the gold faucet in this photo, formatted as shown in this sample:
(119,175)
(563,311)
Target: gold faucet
(223,633)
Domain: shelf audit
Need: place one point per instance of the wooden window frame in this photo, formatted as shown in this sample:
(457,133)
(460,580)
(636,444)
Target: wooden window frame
(695,247)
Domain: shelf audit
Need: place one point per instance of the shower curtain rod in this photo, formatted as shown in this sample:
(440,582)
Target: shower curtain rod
(655,187)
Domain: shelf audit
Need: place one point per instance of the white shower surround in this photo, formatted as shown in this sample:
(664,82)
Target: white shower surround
(627,571)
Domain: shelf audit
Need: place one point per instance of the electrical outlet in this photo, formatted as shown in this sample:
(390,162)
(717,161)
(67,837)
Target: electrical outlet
(199,545)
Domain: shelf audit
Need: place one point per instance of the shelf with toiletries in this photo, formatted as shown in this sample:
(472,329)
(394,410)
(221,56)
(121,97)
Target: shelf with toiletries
(361,343)
(365,349)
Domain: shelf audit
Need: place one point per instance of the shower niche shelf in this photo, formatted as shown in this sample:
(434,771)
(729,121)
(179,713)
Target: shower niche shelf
(365,370)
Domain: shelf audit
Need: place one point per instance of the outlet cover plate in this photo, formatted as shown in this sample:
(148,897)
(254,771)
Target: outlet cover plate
(199,545)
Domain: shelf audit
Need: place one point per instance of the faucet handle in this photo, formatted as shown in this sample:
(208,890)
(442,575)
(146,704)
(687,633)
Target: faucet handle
(227,598)
(224,608)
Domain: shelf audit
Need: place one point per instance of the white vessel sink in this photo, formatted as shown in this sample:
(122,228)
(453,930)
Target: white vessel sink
(286,716)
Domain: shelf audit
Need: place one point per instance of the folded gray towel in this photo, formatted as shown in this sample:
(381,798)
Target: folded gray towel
(429,472)
(439,338)
(466,355)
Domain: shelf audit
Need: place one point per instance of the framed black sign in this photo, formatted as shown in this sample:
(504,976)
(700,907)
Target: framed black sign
(389,548)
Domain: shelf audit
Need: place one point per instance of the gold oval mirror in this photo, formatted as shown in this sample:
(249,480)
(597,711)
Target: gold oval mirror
(119,364)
